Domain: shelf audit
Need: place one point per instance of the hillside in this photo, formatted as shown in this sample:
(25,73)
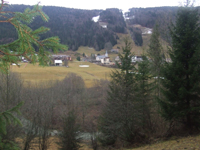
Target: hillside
(73,26)
(77,27)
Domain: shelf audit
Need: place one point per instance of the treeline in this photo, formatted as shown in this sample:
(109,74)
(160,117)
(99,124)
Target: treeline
(147,17)
(136,35)
(73,26)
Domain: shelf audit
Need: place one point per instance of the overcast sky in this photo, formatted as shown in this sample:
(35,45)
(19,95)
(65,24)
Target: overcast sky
(102,4)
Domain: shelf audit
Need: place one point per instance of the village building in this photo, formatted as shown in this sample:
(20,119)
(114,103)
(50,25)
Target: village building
(60,60)
(117,58)
(104,59)
(136,59)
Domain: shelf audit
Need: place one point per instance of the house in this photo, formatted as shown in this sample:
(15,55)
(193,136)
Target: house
(104,59)
(58,60)
(98,58)
(136,59)
(117,58)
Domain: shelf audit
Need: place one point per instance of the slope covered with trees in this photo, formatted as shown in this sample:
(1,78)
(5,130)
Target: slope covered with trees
(147,17)
(73,26)
(115,20)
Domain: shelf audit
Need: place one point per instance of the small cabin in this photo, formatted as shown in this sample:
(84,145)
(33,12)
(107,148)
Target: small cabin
(58,62)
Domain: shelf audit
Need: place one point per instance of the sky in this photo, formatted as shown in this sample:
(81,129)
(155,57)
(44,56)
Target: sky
(102,4)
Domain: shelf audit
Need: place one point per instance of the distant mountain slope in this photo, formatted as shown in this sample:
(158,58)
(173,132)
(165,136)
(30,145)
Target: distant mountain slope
(115,20)
(147,17)
(74,27)
(94,28)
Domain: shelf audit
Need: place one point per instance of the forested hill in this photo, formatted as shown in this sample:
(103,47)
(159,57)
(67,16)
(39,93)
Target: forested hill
(75,27)
(147,17)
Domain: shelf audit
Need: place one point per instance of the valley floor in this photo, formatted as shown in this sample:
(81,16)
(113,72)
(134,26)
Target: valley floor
(188,143)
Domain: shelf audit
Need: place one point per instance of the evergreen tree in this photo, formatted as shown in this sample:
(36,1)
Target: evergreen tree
(181,77)
(70,137)
(24,46)
(120,116)
(155,54)
(144,91)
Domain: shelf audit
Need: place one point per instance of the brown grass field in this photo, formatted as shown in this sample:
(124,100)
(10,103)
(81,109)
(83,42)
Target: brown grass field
(34,73)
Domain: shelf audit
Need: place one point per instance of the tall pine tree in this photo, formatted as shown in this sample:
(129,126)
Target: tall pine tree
(144,92)
(120,118)
(181,84)
(155,54)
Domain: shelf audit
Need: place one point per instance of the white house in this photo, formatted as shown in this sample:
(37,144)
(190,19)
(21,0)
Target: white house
(104,59)
(58,62)
(136,59)
(98,58)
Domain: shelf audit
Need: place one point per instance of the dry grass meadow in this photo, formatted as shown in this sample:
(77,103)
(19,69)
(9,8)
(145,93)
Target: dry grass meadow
(34,73)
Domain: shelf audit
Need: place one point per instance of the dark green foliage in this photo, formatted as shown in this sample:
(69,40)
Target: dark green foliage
(144,92)
(147,17)
(6,118)
(181,77)
(156,59)
(115,20)
(70,137)
(120,116)
(73,26)
(78,58)
(8,145)
(155,51)
(136,35)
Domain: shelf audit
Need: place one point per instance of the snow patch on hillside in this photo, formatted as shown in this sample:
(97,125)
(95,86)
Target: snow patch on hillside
(96,18)
(125,14)
(144,30)
(131,17)
(147,31)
